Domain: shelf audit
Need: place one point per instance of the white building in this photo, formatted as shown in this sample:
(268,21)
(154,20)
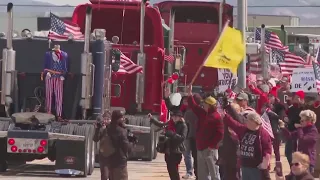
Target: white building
(255,20)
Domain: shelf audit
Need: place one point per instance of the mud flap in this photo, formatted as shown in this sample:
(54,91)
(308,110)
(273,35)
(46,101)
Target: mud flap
(143,149)
(70,159)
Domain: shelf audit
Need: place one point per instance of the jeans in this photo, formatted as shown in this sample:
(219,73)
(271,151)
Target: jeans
(191,151)
(173,160)
(207,168)
(188,157)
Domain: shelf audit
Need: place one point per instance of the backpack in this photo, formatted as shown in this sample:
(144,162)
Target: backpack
(106,145)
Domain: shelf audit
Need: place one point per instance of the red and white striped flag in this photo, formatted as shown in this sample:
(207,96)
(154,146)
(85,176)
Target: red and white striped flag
(287,61)
(272,40)
(62,29)
(266,123)
(316,68)
(169,58)
(127,66)
(255,64)
(54,85)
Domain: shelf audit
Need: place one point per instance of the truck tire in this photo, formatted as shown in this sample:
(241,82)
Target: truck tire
(92,148)
(3,155)
(86,130)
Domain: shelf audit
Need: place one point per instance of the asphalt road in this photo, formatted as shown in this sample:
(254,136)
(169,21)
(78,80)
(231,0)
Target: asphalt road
(138,170)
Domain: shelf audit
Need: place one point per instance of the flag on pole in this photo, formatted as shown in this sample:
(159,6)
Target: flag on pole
(316,68)
(169,58)
(272,40)
(287,61)
(304,55)
(62,29)
(228,52)
(127,66)
(266,123)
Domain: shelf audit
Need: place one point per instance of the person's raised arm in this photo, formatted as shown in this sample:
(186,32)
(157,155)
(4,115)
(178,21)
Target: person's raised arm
(167,99)
(237,127)
(192,104)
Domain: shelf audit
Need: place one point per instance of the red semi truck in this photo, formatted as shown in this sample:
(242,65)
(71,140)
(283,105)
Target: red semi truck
(196,26)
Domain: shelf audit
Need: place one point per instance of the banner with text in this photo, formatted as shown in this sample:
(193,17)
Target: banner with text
(303,79)
(224,76)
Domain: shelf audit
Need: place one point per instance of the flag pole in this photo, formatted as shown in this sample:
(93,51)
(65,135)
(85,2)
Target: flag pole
(210,50)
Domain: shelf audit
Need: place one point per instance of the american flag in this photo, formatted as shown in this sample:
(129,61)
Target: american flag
(169,58)
(127,66)
(318,55)
(266,123)
(272,40)
(304,55)
(255,64)
(287,61)
(62,29)
(316,68)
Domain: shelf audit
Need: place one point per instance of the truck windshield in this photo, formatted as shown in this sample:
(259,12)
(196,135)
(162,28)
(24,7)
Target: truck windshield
(200,14)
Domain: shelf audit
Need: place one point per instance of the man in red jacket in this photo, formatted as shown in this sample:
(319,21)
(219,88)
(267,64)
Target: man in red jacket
(209,133)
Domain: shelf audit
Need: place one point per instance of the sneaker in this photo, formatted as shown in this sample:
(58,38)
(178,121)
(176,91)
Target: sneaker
(187,176)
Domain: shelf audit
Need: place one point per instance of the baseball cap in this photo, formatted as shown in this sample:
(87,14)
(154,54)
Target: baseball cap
(243,96)
(284,79)
(210,100)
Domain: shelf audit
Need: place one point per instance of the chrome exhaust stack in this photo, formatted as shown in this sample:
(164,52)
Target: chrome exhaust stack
(87,67)
(171,46)
(140,83)
(221,15)
(8,63)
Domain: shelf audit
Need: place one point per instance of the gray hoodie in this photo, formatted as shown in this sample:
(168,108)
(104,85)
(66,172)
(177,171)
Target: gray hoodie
(191,121)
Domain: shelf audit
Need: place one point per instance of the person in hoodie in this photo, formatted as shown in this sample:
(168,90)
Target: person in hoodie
(306,134)
(117,162)
(209,134)
(299,168)
(293,118)
(255,146)
(176,132)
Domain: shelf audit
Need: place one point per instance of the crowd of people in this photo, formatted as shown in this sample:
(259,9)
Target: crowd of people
(229,140)
(223,137)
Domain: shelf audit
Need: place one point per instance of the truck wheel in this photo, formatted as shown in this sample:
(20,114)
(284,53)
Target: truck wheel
(84,130)
(92,148)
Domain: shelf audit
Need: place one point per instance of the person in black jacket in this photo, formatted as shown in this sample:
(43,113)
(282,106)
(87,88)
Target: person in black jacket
(293,119)
(175,132)
(117,162)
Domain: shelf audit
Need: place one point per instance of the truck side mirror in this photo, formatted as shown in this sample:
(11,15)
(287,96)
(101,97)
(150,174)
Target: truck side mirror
(177,63)
(116,89)
(116,59)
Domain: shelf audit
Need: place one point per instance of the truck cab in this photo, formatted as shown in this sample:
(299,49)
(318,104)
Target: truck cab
(195,26)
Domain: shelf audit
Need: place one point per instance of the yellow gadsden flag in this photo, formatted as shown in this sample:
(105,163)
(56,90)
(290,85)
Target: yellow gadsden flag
(228,52)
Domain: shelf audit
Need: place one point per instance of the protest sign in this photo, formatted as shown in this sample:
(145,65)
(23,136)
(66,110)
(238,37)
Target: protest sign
(224,77)
(303,79)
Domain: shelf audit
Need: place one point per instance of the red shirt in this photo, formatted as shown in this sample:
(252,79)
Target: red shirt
(263,98)
(209,127)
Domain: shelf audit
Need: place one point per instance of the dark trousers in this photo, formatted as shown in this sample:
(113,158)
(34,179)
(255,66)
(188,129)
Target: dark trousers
(103,168)
(291,146)
(193,147)
(173,160)
(229,172)
(118,173)
(276,147)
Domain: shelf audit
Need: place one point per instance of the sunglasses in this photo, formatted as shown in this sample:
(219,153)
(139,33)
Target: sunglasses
(295,164)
